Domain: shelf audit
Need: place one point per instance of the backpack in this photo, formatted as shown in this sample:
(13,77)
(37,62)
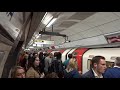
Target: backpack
(56,66)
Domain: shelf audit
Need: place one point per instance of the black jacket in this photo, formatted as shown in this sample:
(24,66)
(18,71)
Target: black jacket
(88,74)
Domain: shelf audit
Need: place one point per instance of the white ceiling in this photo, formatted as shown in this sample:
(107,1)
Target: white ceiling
(82,25)
(65,20)
(76,25)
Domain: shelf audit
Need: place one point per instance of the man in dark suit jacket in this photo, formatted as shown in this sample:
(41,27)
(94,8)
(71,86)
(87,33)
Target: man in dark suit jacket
(98,68)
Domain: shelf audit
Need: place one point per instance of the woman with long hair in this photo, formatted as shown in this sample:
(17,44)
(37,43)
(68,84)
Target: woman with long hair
(34,70)
(71,70)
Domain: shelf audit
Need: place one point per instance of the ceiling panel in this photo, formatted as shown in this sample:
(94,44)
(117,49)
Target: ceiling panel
(100,18)
(79,27)
(75,37)
(67,24)
(92,32)
(68,32)
(76,29)
(110,27)
(117,13)
(81,15)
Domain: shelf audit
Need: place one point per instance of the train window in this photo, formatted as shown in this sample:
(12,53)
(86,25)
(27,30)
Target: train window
(91,56)
(1,56)
(113,58)
(74,54)
(88,64)
(109,64)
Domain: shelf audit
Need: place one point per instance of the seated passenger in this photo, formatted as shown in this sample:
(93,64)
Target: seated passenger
(17,72)
(34,70)
(115,71)
(71,70)
(98,68)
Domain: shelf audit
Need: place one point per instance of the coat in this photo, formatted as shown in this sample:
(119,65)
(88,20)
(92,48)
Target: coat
(31,73)
(88,74)
(72,74)
(112,73)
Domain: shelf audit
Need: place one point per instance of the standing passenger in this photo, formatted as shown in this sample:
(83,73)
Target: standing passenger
(17,72)
(23,62)
(115,71)
(98,68)
(34,70)
(41,57)
(71,70)
(48,60)
(57,65)
(67,61)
